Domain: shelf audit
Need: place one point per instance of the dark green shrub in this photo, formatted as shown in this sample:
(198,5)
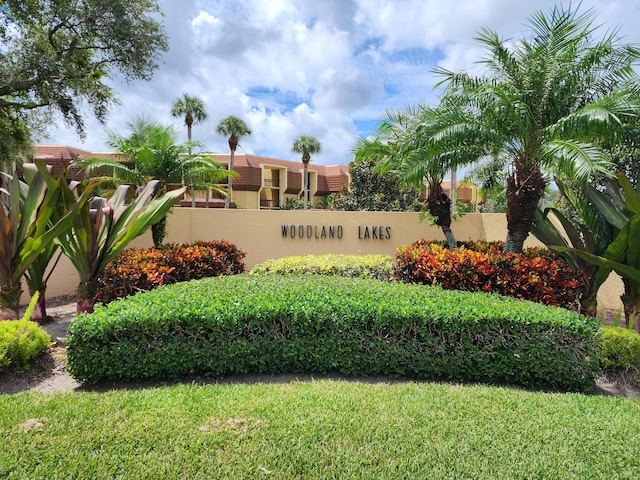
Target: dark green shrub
(536,275)
(379,267)
(20,341)
(620,349)
(276,324)
(141,269)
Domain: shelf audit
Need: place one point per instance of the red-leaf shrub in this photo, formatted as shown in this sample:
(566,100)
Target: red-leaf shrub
(139,269)
(535,275)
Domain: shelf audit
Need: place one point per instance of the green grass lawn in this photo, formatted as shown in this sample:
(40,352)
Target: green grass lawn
(319,429)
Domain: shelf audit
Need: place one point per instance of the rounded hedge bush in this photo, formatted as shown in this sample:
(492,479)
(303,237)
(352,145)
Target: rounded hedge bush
(379,267)
(279,324)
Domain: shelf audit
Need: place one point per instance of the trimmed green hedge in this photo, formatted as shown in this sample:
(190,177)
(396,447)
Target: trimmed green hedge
(277,324)
(20,341)
(379,267)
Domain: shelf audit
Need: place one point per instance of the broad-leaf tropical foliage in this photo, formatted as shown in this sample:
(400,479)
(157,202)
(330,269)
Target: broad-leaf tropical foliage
(43,265)
(95,238)
(619,204)
(151,152)
(29,223)
(593,236)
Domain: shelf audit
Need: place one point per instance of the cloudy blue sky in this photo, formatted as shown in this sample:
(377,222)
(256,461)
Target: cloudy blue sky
(327,68)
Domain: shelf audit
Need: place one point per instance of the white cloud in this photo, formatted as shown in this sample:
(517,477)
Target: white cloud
(316,67)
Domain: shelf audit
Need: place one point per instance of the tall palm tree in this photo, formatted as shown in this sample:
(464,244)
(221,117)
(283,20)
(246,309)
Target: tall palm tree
(150,152)
(192,108)
(194,111)
(236,129)
(306,145)
(544,102)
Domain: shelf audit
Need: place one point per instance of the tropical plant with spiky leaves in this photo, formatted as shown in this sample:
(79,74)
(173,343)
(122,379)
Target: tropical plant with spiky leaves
(42,267)
(28,225)
(235,128)
(619,204)
(95,240)
(593,236)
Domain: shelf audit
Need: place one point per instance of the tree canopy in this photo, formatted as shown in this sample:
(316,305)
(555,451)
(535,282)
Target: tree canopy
(306,145)
(371,191)
(59,54)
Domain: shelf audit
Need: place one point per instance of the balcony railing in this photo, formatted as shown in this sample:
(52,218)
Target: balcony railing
(273,204)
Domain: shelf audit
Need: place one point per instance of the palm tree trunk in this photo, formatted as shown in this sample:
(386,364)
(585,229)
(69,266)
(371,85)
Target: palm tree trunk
(440,207)
(227,199)
(305,185)
(10,300)
(525,187)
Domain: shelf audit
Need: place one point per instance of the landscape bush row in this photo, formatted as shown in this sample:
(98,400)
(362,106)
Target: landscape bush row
(536,275)
(379,267)
(278,324)
(141,269)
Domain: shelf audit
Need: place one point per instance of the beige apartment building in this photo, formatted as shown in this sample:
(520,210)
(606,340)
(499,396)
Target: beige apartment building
(263,183)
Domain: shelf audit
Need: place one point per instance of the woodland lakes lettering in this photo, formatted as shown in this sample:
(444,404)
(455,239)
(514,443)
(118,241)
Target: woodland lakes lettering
(377,232)
(312,231)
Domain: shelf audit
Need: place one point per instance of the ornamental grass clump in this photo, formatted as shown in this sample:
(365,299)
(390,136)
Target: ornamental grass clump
(301,323)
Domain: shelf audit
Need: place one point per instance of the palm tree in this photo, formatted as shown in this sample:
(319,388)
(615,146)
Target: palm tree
(192,108)
(306,145)
(545,102)
(236,129)
(150,152)
(404,143)
(194,112)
